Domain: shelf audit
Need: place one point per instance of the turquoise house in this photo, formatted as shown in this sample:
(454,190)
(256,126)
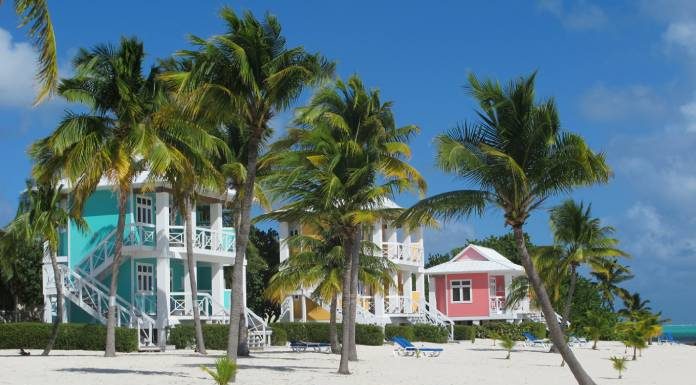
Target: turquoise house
(153,284)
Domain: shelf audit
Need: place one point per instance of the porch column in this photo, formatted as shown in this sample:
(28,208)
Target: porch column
(432,297)
(283,233)
(291,309)
(216,222)
(218,288)
(420,288)
(303,300)
(379,304)
(162,268)
(408,292)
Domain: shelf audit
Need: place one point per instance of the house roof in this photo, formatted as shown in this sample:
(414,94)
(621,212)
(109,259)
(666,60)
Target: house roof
(475,259)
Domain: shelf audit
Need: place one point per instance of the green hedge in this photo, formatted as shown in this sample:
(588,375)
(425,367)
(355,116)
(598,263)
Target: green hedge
(465,332)
(418,332)
(514,331)
(184,336)
(34,335)
(319,332)
(279,337)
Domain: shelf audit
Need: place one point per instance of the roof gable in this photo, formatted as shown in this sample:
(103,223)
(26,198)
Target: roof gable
(475,258)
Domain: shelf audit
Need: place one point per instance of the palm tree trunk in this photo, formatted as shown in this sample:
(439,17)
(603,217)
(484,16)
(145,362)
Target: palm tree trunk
(345,307)
(555,331)
(243,345)
(569,298)
(193,282)
(634,353)
(333,332)
(241,242)
(354,269)
(59,303)
(110,349)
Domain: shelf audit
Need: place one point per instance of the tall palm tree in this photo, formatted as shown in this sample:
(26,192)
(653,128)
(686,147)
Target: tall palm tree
(635,307)
(609,274)
(344,160)
(35,14)
(42,215)
(247,75)
(319,263)
(579,239)
(517,157)
(111,140)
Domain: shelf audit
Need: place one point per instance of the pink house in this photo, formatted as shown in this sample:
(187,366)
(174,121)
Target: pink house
(473,285)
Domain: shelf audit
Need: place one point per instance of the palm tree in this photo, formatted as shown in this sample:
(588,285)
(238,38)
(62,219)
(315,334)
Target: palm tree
(41,216)
(635,307)
(319,263)
(518,157)
(579,239)
(347,157)
(609,274)
(508,344)
(598,324)
(35,14)
(619,364)
(111,140)
(247,75)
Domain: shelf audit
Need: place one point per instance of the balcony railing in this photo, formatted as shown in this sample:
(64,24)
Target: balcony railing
(204,239)
(497,305)
(403,252)
(397,304)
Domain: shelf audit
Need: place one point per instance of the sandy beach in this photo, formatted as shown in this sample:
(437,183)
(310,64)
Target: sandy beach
(478,363)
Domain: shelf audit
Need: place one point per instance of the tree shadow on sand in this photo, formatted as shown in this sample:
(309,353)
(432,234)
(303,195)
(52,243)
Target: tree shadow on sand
(125,371)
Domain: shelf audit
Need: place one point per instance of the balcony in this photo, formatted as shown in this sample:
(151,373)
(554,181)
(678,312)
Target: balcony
(205,240)
(406,253)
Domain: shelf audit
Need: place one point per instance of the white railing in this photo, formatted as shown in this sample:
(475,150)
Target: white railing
(204,239)
(140,234)
(103,251)
(92,296)
(435,317)
(285,307)
(362,315)
(497,305)
(146,303)
(403,252)
(397,304)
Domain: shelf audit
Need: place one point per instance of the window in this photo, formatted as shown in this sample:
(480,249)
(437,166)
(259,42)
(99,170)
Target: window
(143,210)
(492,286)
(203,216)
(461,291)
(145,277)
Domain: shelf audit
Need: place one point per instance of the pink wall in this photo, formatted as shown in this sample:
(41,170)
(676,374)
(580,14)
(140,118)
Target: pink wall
(479,305)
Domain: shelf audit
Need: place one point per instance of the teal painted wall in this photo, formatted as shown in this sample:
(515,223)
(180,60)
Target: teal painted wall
(101,214)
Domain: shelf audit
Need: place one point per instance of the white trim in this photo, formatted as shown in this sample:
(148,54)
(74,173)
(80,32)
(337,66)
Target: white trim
(151,274)
(143,207)
(461,288)
(446,296)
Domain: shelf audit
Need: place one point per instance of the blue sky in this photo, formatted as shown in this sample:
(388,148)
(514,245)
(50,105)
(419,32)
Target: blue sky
(623,75)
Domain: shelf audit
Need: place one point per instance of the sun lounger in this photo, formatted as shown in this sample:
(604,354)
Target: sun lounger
(666,338)
(577,341)
(531,340)
(303,346)
(404,347)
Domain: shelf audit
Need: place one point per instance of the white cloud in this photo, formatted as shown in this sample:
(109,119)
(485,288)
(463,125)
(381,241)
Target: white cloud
(575,14)
(688,111)
(681,34)
(17,69)
(602,103)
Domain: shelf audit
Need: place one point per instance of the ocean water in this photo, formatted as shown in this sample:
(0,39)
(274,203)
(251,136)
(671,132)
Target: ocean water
(682,333)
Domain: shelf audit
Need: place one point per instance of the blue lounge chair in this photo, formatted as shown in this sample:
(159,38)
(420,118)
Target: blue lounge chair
(404,347)
(667,338)
(531,340)
(302,346)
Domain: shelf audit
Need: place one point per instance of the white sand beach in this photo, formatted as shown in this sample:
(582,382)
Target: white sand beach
(462,363)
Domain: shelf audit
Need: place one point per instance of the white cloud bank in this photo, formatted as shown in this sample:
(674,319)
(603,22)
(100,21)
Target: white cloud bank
(575,14)
(17,68)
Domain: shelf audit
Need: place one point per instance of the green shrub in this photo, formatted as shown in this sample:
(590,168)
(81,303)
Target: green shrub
(214,335)
(319,332)
(503,329)
(465,332)
(430,333)
(406,331)
(224,370)
(279,337)
(34,335)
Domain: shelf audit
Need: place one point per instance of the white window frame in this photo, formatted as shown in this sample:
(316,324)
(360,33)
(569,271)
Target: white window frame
(143,209)
(144,274)
(492,287)
(460,285)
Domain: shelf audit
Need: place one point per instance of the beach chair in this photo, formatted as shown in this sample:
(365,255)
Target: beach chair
(531,340)
(303,346)
(666,338)
(577,341)
(404,347)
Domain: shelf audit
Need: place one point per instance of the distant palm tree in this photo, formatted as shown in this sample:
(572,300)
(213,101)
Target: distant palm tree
(247,75)
(347,157)
(619,364)
(635,307)
(35,14)
(609,274)
(517,156)
(319,263)
(579,239)
(508,344)
(597,324)
(41,216)
(111,140)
